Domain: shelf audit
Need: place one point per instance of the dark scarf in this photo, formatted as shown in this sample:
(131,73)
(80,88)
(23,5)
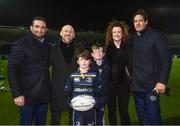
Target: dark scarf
(67,50)
(117,59)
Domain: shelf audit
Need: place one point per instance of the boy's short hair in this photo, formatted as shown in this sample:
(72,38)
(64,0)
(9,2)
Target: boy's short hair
(85,54)
(98,45)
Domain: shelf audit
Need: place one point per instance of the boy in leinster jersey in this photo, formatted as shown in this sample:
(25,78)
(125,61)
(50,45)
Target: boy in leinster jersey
(83,81)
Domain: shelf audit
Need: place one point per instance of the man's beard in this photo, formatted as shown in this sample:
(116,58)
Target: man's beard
(38,36)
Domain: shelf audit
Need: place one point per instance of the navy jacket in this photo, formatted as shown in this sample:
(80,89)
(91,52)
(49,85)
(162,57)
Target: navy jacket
(151,60)
(103,72)
(28,70)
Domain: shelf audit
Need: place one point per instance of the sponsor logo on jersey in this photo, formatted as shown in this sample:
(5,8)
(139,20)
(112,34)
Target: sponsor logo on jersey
(89,80)
(83,90)
(76,79)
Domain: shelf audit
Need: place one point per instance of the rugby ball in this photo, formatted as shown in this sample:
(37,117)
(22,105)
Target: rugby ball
(83,102)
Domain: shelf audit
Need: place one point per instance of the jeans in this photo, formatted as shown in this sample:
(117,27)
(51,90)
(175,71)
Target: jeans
(148,108)
(36,113)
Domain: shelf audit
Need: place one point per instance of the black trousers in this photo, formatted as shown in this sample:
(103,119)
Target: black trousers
(56,117)
(119,99)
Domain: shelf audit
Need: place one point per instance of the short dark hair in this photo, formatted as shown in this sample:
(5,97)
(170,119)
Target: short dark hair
(39,18)
(85,54)
(98,45)
(141,12)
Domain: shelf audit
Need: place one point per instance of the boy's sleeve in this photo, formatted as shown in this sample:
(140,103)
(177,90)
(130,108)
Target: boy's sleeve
(98,86)
(68,90)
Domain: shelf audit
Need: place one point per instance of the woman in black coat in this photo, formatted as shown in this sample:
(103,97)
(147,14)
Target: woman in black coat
(119,88)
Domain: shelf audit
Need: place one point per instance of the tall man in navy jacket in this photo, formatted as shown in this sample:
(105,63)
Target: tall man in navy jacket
(28,71)
(151,68)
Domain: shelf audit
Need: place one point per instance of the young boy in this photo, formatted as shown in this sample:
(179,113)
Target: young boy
(83,82)
(101,65)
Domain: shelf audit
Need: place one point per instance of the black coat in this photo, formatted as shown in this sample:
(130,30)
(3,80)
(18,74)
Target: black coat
(151,60)
(119,61)
(28,70)
(60,73)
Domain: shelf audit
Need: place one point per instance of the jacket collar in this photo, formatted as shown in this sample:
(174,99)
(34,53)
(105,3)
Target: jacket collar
(142,32)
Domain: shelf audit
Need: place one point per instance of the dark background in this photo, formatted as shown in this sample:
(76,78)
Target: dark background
(88,15)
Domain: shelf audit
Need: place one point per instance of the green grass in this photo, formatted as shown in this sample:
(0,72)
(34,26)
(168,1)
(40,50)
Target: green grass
(170,106)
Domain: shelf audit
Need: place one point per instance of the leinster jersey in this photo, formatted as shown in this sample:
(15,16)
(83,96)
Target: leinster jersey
(83,84)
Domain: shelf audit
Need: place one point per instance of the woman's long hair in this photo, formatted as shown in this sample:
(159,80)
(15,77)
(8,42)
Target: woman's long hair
(115,23)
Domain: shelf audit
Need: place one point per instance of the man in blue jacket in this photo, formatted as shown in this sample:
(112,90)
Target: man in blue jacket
(28,71)
(151,68)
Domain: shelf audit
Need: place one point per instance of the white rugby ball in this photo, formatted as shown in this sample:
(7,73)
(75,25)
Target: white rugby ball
(82,102)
